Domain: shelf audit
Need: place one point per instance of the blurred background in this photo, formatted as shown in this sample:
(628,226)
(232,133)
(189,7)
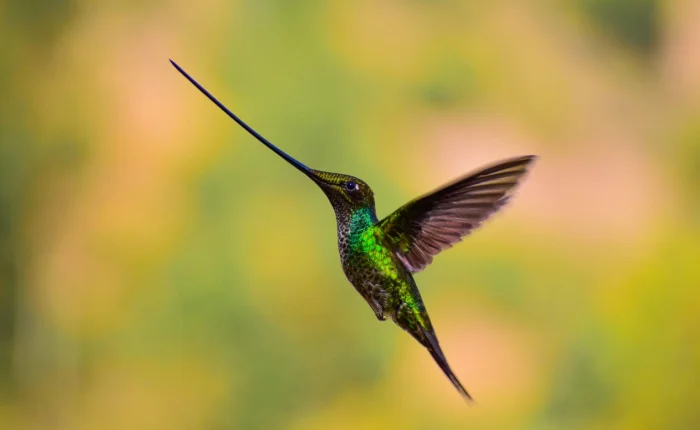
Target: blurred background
(161,269)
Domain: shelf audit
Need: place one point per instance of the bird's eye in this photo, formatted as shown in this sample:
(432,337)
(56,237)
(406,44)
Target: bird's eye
(351,186)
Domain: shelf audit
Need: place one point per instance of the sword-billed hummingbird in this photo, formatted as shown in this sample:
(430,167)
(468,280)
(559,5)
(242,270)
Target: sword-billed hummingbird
(379,257)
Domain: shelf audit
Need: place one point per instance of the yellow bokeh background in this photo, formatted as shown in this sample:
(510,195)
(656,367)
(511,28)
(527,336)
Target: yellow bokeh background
(161,269)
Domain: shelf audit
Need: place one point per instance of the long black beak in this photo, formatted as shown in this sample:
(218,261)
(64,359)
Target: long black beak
(291,160)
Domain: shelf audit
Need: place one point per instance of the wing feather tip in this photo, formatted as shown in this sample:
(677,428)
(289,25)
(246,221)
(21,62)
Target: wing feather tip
(444,217)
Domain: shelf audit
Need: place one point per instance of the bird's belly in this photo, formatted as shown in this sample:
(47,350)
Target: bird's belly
(376,279)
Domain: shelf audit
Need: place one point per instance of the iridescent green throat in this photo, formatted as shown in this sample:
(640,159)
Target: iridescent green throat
(360,222)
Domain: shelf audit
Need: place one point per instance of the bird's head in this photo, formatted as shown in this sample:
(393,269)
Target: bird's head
(343,191)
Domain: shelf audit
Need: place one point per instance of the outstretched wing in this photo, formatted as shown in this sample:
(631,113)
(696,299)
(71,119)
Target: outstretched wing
(423,227)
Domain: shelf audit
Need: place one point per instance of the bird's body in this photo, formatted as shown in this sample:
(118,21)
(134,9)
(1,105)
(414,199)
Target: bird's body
(375,271)
(379,257)
(387,285)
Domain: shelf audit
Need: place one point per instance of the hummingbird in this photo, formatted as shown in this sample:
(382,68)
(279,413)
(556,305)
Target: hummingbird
(379,257)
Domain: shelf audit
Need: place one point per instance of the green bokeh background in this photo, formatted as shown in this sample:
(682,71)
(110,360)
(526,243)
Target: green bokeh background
(160,269)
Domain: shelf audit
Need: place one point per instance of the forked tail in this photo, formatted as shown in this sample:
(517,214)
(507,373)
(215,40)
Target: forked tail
(434,348)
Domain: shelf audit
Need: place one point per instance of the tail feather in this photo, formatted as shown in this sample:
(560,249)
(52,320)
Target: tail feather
(434,348)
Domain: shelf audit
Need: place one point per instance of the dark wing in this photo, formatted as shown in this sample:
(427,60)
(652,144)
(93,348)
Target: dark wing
(423,227)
